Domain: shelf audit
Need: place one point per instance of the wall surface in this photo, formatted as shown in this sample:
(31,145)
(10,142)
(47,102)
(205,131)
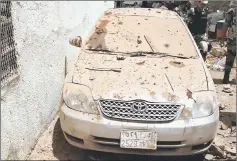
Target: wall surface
(42,31)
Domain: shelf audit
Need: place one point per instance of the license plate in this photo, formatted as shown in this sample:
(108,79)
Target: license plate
(138,139)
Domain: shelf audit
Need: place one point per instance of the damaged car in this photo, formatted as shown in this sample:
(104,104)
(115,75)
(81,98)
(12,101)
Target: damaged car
(139,86)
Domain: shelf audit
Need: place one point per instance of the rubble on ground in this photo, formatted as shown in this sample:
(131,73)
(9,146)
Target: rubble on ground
(216,57)
(224,144)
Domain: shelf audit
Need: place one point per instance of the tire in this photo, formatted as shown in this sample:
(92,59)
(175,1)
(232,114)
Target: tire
(198,157)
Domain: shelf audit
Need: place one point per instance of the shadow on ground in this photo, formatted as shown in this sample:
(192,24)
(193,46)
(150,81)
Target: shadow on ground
(62,150)
(220,81)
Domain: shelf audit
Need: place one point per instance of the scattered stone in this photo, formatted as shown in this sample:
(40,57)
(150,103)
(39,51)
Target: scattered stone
(231,150)
(217,52)
(139,41)
(215,150)
(228,156)
(227,86)
(209,157)
(223,126)
(233,157)
(227,89)
(222,106)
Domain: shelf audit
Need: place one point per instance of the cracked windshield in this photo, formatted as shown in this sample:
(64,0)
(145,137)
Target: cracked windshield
(124,80)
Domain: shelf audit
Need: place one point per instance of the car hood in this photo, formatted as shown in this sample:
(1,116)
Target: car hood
(149,78)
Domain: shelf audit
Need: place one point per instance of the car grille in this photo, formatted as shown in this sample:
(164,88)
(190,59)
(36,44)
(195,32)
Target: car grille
(139,110)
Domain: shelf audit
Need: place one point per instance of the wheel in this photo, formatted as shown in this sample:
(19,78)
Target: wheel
(197,157)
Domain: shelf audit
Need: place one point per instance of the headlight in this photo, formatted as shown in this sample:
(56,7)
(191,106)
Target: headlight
(79,98)
(204,104)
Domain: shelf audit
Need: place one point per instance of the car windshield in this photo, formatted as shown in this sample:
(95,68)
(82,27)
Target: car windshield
(136,32)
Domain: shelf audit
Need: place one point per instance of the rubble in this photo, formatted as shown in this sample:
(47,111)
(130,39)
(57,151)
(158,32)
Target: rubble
(222,106)
(217,51)
(177,64)
(215,150)
(138,40)
(120,57)
(141,63)
(231,150)
(223,126)
(209,157)
(227,89)
(216,57)
(76,41)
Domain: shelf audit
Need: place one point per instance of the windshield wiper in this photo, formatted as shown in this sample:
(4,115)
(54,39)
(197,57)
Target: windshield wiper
(140,53)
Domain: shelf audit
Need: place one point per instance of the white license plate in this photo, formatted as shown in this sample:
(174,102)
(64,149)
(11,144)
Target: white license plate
(138,139)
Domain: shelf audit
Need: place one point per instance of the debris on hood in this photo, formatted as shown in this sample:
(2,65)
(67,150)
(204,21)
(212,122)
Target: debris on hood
(119,57)
(209,157)
(115,95)
(137,54)
(177,64)
(91,78)
(152,93)
(231,150)
(166,45)
(227,89)
(138,40)
(190,94)
(141,63)
(120,22)
(106,69)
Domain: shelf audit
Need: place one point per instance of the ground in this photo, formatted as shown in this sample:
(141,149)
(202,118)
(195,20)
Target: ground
(53,146)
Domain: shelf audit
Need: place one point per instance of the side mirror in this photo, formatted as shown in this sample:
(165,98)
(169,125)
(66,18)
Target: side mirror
(76,41)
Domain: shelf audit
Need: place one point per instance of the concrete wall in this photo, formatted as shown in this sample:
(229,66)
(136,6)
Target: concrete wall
(42,30)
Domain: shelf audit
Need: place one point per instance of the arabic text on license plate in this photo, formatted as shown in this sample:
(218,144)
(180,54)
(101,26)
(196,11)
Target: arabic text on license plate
(138,139)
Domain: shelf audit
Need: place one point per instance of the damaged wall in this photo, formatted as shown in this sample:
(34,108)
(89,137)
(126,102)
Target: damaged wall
(41,31)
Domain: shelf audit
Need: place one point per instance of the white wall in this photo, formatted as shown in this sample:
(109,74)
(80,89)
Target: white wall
(42,31)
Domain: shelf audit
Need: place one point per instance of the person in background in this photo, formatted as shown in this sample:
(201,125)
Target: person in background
(144,4)
(199,19)
(230,25)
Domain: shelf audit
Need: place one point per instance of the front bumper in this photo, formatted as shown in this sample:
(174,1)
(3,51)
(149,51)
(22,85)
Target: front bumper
(180,137)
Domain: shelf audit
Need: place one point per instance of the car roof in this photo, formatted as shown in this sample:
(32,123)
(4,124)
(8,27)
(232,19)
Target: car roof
(128,30)
(142,12)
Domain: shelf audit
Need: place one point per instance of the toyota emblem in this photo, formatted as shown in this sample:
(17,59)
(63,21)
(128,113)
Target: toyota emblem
(139,106)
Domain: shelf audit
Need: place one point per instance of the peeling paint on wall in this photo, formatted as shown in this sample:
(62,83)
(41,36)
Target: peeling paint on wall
(42,31)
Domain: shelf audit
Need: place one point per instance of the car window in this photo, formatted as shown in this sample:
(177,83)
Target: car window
(141,33)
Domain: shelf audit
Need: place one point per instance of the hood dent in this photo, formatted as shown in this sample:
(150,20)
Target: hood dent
(157,80)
